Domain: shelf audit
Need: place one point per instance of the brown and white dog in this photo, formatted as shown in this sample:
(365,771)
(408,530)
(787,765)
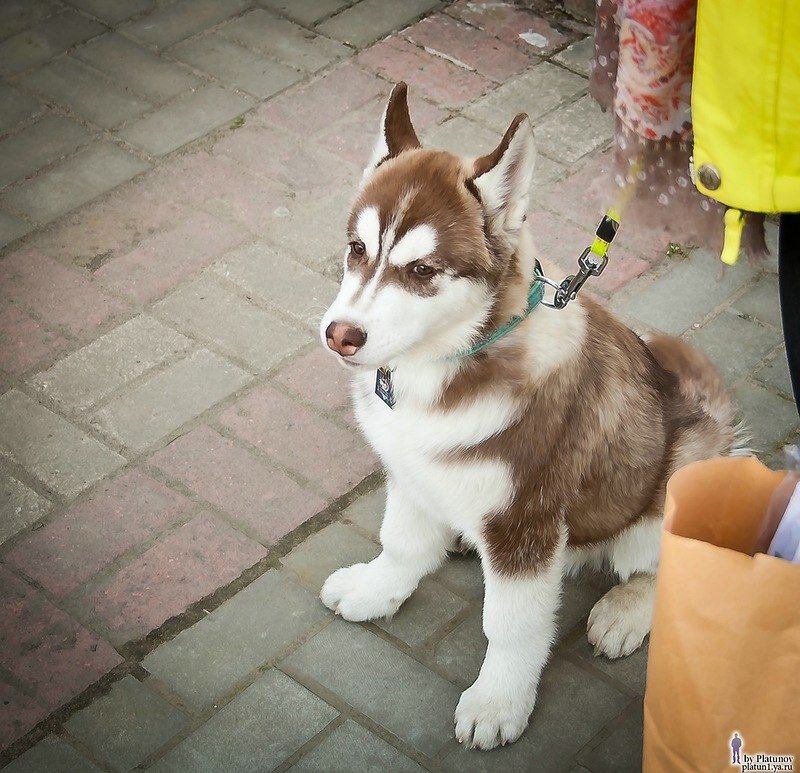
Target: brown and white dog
(547,450)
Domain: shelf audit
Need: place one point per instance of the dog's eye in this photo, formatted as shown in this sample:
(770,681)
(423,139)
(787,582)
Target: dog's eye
(357,250)
(423,271)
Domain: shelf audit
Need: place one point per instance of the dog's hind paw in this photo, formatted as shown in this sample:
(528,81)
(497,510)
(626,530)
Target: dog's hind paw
(619,622)
(484,719)
(362,592)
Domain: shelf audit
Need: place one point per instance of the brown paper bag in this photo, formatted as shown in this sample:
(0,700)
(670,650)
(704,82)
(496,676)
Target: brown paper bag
(725,645)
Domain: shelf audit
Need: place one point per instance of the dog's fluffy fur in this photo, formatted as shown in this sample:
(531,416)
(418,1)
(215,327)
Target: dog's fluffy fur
(548,450)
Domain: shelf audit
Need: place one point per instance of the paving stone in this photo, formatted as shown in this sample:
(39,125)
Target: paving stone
(54,293)
(168,399)
(270,720)
(50,654)
(313,106)
(568,698)
(235,64)
(74,86)
(317,378)
(761,301)
(117,516)
(536,92)
(336,461)
(469,47)
(351,747)
(365,22)
(769,419)
(47,39)
(93,170)
(249,333)
(630,671)
(24,341)
(269,274)
(688,291)
(436,78)
(735,345)
(360,668)
(184,567)
(207,661)
(12,228)
(172,22)
(17,15)
(464,575)
(266,500)
(577,601)
(56,452)
(367,512)
(331,548)
(460,653)
(112,11)
(126,725)
(88,375)
(577,56)
(776,374)
(134,66)
(574,130)
(185,119)
(280,39)
(20,713)
(430,607)
(621,751)
(19,506)
(161,261)
(464,137)
(51,754)
(38,145)
(306,12)
(18,106)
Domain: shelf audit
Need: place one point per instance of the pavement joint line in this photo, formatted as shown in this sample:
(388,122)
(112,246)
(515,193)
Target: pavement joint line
(585,665)
(607,731)
(474,607)
(311,743)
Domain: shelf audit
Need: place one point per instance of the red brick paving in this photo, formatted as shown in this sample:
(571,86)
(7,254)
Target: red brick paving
(24,341)
(18,715)
(319,379)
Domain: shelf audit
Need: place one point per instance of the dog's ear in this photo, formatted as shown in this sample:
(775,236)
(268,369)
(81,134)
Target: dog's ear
(503,177)
(396,133)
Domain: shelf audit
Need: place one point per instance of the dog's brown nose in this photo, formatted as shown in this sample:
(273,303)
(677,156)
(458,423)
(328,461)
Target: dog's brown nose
(345,339)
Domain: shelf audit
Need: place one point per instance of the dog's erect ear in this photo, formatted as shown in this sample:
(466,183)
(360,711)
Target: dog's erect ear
(504,176)
(396,132)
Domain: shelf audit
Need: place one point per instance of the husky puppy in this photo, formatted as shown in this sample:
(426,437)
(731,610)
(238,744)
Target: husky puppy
(546,450)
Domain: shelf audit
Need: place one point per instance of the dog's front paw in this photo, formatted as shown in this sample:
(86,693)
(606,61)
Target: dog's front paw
(621,619)
(363,592)
(486,718)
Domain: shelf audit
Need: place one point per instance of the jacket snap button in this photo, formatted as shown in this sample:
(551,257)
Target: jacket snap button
(709,176)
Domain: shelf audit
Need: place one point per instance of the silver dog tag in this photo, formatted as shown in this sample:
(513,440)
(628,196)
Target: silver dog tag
(383,386)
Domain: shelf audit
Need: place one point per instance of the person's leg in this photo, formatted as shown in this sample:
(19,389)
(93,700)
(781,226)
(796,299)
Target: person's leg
(789,284)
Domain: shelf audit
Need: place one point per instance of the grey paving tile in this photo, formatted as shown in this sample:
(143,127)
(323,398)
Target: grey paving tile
(462,136)
(267,723)
(461,652)
(326,551)
(113,11)
(274,277)
(688,291)
(47,39)
(19,506)
(172,22)
(12,227)
(185,119)
(280,39)
(306,12)
(37,145)
(577,56)
(170,398)
(630,671)
(535,92)
(17,15)
(70,84)
(249,333)
(360,668)
(776,374)
(735,345)
(51,755)
(237,65)
(574,130)
(93,372)
(95,169)
(18,106)
(137,68)
(761,301)
(206,661)
(621,751)
(367,511)
(126,725)
(571,708)
(350,747)
(365,22)
(769,419)
(463,574)
(577,600)
(51,448)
